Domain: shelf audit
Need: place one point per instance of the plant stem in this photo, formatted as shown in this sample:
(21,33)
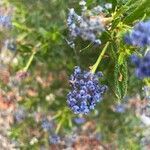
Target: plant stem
(94,67)
(59,125)
(29,61)
(31,58)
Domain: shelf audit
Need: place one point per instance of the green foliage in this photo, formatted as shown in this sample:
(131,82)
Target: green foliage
(142,9)
(124,72)
(40,31)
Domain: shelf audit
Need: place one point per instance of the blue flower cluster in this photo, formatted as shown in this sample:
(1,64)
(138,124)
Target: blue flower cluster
(142,65)
(140,35)
(54,139)
(5,21)
(20,114)
(87,26)
(46,125)
(86,91)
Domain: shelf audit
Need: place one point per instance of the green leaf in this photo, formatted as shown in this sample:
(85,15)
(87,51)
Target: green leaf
(116,75)
(42,32)
(124,83)
(20,26)
(139,12)
(22,36)
(15,132)
(121,58)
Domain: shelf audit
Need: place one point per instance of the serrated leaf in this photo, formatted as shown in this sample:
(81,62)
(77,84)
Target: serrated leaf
(124,71)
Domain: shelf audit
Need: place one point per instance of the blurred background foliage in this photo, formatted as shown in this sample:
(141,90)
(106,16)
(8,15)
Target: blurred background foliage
(40,30)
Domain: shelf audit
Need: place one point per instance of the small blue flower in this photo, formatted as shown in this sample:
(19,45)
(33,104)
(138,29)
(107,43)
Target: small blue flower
(5,21)
(120,108)
(20,114)
(46,125)
(79,120)
(140,35)
(54,139)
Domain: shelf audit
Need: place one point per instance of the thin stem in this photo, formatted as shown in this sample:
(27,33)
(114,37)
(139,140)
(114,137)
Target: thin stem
(86,47)
(59,125)
(94,67)
(31,57)
(74,50)
(56,116)
(29,61)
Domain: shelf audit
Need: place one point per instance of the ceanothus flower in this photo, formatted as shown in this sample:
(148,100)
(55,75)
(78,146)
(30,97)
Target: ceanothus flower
(120,108)
(140,35)
(54,139)
(88,25)
(142,65)
(5,21)
(46,125)
(20,114)
(79,120)
(86,91)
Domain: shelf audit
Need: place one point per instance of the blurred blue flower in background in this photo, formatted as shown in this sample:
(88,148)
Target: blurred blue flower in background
(142,65)
(46,125)
(120,108)
(140,35)
(54,139)
(84,26)
(79,120)
(20,114)
(5,21)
